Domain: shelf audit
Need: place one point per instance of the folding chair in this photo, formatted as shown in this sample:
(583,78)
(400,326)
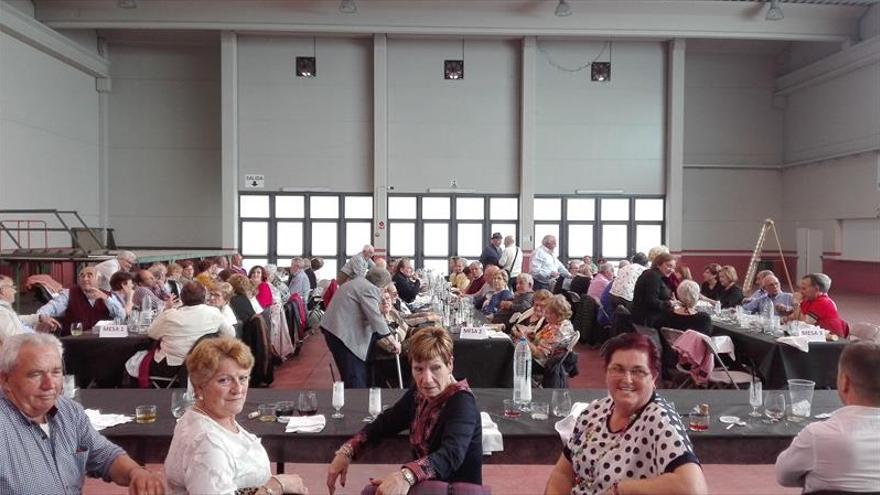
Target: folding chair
(719,376)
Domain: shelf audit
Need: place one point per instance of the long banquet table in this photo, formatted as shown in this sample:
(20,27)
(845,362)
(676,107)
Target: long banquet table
(99,361)
(777,363)
(526,441)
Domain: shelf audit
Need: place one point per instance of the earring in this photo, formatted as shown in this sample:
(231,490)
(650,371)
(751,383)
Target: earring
(200,397)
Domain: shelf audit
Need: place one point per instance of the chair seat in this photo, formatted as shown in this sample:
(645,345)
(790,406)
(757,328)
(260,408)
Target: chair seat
(720,376)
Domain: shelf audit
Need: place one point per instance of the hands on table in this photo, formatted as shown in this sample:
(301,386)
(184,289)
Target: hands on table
(393,484)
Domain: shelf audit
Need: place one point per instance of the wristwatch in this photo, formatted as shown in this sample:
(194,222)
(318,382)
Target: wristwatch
(408,476)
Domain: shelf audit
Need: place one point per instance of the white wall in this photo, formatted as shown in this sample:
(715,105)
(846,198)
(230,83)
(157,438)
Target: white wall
(861,239)
(306,132)
(49,135)
(440,130)
(600,136)
(165,144)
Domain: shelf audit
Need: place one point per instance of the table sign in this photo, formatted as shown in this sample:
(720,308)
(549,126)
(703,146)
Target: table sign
(114,331)
(474,333)
(813,334)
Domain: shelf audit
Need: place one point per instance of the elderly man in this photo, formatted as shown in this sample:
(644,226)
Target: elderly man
(123,261)
(236,265)
(522,299)
(816,308)
(545,265)
(145,289)
(492,252)
(771,296)
(511,260)
(357,266)
(353,322)
(299,280)
(49,444)
(842,453)
(475,274)
(603,277)
(83,303)
(12,323)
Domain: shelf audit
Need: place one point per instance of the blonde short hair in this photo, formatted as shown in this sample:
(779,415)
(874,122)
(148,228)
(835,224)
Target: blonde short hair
(225,289)
(203,361)
(502,274)
(429,343)
(542,295)
(655,251)
(729,272)
(558,306)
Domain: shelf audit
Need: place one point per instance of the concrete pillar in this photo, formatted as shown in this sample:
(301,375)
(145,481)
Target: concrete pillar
(380,143)
(527,144)
(229,139)
(675,143)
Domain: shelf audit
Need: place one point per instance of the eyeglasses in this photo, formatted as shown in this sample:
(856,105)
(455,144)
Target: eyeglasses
(620,372)
(9,287)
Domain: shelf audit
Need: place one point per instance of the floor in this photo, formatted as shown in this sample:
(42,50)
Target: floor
(311,370)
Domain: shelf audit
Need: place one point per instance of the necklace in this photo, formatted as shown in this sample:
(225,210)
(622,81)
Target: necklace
(233,429)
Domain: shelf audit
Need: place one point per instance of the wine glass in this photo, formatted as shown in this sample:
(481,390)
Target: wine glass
(756,397)
(375,407)
(338,399)
(561,403)
(180,402)
(774,407)
(307,404)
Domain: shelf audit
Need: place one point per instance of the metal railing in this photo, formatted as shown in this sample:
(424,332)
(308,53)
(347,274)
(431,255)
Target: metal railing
(27,230)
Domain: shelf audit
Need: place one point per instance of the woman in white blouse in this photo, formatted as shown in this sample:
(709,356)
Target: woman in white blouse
(219,296)
(210,451)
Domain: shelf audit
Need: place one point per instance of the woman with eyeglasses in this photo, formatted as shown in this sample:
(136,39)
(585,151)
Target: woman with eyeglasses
(632,441)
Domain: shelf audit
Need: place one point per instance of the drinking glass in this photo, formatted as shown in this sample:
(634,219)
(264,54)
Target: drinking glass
(180,402)
(76,329)
(375,407)
(756,397)
(338,399)
(266,412)
(561,403)
(284,409)
(540,410)
(774,407)
(69,387)
(307,404)
(145,414)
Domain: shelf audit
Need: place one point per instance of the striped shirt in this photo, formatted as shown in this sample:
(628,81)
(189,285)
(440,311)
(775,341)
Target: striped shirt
(32,462)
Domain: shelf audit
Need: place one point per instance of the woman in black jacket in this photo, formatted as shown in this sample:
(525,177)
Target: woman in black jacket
(652,299)
(407,285)
(730,295)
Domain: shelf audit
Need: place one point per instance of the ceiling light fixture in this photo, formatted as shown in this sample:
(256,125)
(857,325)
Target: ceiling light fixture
(563,9)
(775,11)
(348,7)
(127,4)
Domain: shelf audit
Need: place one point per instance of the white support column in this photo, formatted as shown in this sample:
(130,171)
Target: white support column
(675,143)
(103,86)
(229,139)
(527,144)
(380,143)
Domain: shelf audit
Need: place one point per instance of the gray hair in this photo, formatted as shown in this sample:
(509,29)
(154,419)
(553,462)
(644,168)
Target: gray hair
(820,281)
(657,251)
(547,238)
(527,277)
(607,267)
(12,346)
(379,277)
(688,293)
(126,255)
(476,264)
(509,240)
(298,261)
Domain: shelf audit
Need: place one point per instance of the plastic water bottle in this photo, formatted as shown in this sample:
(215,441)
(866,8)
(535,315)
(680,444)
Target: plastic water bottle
(146,311)
(522,373)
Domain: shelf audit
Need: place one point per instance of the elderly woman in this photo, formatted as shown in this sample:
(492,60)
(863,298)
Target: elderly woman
(243,303)
(632,441)
(685,315)
(260,278)
(652,299)
(500,293)
(219,296)
(187,271)
(457,277)
(710,287)
(210,452)
(522,299)
(408,285)
(122,289)
(525,324)
(551,340)
(730,295)
(384,368)
(441,415)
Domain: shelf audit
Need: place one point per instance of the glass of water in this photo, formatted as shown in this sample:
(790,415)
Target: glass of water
(375,407)
(76,329)
(756,397)
(561,403)
(338,399)
(180,402)
(774,408)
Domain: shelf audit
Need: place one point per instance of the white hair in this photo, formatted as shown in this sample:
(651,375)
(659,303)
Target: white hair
(607,267)
(126,255)
(12,346)
(688,293)
(656,251)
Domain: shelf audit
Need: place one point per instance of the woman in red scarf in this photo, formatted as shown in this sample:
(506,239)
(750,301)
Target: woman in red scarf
(441,415)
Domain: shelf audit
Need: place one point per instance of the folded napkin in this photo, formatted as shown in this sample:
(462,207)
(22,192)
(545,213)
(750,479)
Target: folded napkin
(565,426)
(306,424)
(101,421)
(492,441)
(493,334)
(801,343)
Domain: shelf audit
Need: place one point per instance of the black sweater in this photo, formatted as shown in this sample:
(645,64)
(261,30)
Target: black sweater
(651,298)
(700,322)
(407,289)
(730,297)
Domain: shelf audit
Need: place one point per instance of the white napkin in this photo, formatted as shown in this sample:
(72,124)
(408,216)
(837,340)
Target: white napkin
(306,424)
(494,334)
(492,440)
(801,343)
(101,421)
(565,426)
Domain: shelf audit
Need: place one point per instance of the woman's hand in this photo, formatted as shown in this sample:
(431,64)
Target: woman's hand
(292,483)
(338,469)
(393,484)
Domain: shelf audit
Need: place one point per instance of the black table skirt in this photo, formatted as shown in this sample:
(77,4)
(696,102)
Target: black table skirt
(526,441)
(485,363)
(100,362)
(777,363)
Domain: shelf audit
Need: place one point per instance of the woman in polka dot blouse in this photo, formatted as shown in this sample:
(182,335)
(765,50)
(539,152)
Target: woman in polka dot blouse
(632,441)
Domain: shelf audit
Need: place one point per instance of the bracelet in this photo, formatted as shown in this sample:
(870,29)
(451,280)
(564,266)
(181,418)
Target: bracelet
(345,450)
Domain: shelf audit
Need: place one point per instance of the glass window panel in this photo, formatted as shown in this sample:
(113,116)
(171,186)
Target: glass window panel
(324,206)
(290,238)
(254,238)
(580,209)
(436,239)
(470,239)
(248,263)
(614,241)
(503,208)
(324,238)
(505,229)
(542,229)
(402,207)
(329,270)
(357,234)
(290,206)
(649,209)
(469,208)
(648,236)
(438,266)
(580,240)
(435,208)
(615,209)
(358,207)
(548,209)
(253,206)
(283,264)
(402,239)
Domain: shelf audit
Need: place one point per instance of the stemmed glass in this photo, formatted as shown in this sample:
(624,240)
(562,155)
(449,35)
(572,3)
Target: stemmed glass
(756,397)
(338,399)
(375,406)
(775,406)
(307,404)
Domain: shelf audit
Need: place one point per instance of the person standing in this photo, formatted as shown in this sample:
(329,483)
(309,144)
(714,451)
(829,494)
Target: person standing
(511,260)
(492,252)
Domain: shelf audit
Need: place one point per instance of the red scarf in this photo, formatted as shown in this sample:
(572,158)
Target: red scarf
(427,413)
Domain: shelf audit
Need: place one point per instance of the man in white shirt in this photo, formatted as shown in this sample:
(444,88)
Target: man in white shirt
(842,453)
(12,323)
(545,265)
(123,261)
(511,260)
(357,265)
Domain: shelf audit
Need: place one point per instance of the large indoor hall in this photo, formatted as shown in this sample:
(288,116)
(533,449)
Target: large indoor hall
(410,247)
